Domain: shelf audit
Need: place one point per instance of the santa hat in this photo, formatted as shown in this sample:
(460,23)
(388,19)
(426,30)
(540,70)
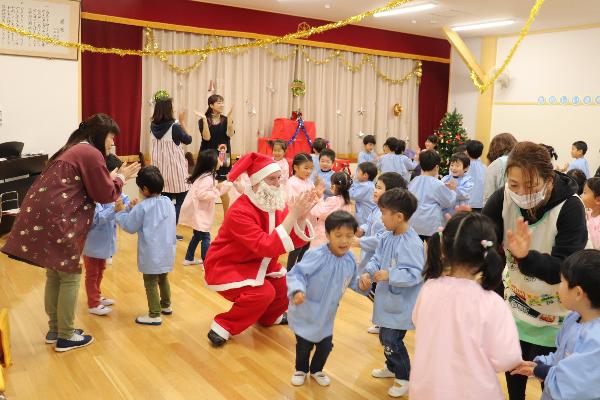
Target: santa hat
(257,166)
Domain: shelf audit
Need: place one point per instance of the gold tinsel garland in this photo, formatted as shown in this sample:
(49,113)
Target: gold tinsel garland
(301,34)
(483,86)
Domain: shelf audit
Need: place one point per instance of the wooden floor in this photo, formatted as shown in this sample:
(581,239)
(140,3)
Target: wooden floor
(175,360)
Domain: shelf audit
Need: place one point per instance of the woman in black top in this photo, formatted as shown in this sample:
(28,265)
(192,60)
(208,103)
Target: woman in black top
(217,130)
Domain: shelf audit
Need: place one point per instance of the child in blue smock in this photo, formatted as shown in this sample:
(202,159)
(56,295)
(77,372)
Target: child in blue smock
(392,160)
(315,287)
(324,170)
(572,371)
(397,267)
(459,180)
(100,245)
(477,171)
(362,189)
(368,153)
(153,219)
(433,196)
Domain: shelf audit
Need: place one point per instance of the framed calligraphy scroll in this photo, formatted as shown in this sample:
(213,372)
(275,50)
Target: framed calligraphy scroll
(58,19)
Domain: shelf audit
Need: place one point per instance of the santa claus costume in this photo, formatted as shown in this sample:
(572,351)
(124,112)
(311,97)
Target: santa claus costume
(242,263)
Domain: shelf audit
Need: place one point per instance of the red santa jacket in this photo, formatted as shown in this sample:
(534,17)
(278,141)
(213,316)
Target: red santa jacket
(248,246)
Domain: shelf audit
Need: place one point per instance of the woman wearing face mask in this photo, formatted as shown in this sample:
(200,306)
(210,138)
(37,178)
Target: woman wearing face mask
(542,221)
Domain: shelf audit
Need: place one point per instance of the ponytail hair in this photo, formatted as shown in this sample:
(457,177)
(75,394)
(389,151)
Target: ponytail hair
(468,240)
(475,247)
(300,159)
(212,100)
(342,183)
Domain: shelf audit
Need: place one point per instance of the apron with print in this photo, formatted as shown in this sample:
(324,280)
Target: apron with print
(169,158)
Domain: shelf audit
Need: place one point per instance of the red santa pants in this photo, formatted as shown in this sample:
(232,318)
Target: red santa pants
(263,304)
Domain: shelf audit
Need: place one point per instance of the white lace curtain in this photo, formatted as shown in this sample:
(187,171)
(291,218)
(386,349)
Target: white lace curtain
(257,85)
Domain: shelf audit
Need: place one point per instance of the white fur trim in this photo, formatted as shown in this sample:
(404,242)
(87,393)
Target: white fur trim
(280,274)
(258,281)
(300,232)
(220,330)
(286,240)
(278,320)
(271,221)
(264,172)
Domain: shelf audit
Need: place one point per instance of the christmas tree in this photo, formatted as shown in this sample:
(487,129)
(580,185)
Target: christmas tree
(450,134)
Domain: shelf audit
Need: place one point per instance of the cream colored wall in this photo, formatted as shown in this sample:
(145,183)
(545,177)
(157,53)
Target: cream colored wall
(39,101)
(551,64)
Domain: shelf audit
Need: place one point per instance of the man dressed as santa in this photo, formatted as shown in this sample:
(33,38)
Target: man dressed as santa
(241,264)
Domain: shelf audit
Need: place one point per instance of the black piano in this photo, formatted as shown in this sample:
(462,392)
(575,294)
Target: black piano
(17,173)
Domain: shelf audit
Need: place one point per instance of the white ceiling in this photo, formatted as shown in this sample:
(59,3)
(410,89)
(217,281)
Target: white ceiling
(553,14)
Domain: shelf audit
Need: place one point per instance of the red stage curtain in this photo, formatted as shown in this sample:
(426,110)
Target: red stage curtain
(433,98)
(112,84)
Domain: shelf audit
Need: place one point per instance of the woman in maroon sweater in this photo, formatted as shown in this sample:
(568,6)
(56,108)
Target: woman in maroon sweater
(56,215)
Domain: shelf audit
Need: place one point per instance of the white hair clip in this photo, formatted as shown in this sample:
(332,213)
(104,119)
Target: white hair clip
(487,244)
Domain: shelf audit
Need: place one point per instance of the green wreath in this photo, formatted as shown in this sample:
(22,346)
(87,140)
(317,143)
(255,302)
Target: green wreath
(298,88)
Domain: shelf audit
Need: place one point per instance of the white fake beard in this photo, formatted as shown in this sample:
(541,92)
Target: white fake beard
(267,198)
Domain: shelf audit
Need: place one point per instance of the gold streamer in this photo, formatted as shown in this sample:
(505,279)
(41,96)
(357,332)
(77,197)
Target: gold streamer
(207,50)
(483,86)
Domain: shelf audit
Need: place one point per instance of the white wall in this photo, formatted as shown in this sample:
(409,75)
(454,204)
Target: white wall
(463,95)
(560,64)
(39,101)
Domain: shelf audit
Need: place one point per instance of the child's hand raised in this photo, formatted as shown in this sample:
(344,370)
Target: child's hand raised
(119,206)
(298,298)
(133,203)
(451,184)
(519,240)
(526,368)
(359,233)
(365,282)
(381,275)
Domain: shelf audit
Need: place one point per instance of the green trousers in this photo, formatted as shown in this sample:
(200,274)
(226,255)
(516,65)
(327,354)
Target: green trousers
(60,300)
(156,301)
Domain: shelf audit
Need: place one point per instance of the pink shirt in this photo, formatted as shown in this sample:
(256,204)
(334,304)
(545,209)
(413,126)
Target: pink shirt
(593,225)
(464,336)
(285,170)
(198,208)
(318,214)
(295,186)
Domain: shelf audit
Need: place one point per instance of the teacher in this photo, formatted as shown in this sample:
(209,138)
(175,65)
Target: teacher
(217,130)
(542,221)
(56,215)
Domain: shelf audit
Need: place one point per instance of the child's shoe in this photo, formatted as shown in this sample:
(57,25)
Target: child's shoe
(148,320)
(298,378)
(109,261)
(399,389)
(373,329)
(166,311)
(74,342)
(382,373)
(106,302)
(100,310)
(191,262)
(321,378)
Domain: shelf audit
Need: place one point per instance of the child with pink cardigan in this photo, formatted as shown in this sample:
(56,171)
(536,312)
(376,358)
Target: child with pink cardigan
(198,209)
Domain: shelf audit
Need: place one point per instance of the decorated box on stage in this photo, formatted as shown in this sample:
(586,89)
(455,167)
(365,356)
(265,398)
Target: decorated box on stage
(285,129)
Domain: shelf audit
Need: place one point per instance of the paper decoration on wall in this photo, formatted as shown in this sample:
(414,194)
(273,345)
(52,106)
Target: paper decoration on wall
(338,113)
(361,111)
(298,88)
(270,88)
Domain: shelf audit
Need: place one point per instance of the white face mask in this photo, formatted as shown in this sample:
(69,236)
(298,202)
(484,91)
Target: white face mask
(528,201)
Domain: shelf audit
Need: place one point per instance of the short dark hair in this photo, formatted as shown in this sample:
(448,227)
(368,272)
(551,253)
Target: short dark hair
(594,185)
(299,159)
(319,144)
(338,219)
(429,159)
(113,162)
(462,158)
(399,200)
(583,269)
(581,145)
(392,180)
(327,153)
(433,139)
(151,178)
(278,142)
(461,148)
(579,177)
(368,168)
(369,139)
(394,144)
(474,148)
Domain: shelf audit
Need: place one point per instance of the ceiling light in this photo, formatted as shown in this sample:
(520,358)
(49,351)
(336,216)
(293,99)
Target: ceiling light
(483,25)
(405,10)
